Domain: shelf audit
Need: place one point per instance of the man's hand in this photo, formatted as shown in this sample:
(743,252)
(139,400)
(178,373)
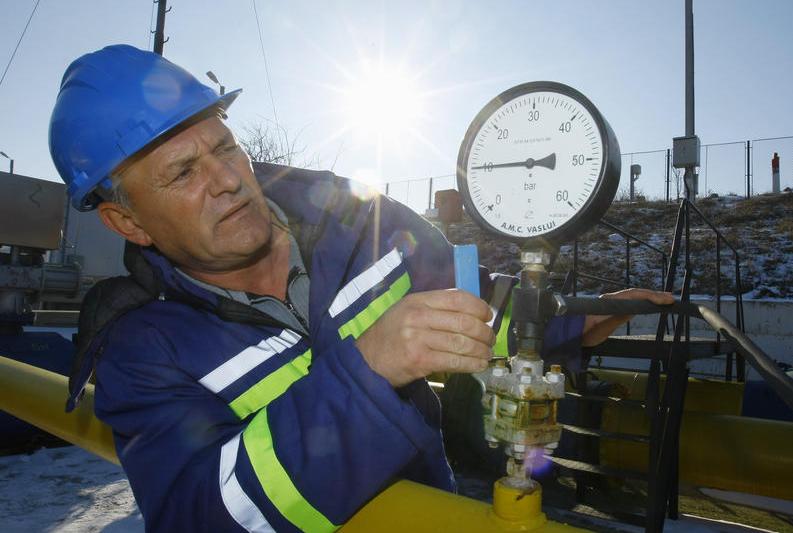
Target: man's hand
(597,328)
(426,332)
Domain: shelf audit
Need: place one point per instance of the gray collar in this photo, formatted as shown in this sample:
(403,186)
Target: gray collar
(295,310)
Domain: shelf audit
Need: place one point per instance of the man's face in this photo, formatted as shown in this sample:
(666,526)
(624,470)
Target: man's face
(195,197)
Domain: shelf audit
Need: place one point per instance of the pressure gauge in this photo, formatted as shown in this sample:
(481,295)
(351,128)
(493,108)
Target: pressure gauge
(538,164)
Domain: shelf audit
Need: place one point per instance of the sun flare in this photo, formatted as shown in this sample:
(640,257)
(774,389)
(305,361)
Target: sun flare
(383,104)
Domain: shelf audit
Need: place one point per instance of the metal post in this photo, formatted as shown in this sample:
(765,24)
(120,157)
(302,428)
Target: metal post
(429,200)
(687,271)
(748,170)
(728,365)
(159,32)
(688,181)
(677,381)
(689,178)
(664,270)
(65,235)
(740,363)
(718,273)
(386,188)
(689,67)
(575,266)
(664,431)
(668,165)
(628,275)
(738,295)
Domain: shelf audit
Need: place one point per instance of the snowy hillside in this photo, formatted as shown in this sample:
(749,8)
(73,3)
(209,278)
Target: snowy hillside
(760,228)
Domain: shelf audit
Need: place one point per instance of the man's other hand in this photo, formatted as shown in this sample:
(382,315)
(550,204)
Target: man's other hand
(426,332)
(597,328)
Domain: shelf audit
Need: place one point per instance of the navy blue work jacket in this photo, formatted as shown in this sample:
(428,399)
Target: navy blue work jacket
(245,425)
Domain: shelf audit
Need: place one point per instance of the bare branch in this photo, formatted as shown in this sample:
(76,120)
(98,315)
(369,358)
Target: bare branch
(268,143)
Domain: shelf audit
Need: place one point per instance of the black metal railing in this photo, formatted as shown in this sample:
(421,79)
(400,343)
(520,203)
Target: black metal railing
(687,206)
(666,410)
(682,237)
(571,280)
(664,405)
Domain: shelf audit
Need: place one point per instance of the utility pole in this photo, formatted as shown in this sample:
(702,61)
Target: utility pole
(159,32)
(689,68)
(685,153)
(690,178)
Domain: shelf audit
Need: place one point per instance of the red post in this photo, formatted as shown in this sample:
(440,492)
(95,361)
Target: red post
(775,173)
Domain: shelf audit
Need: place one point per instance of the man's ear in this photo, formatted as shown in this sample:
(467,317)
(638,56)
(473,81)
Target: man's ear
(121,220)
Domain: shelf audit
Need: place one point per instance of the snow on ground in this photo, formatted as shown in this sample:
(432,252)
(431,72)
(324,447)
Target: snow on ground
(65,490)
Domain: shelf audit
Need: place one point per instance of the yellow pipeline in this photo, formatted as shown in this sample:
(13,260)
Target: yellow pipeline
(407,506)
(720,451)
(717,448)
(704,395)
(37,396)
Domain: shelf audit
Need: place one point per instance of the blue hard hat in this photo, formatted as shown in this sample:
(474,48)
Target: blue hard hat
(113,103)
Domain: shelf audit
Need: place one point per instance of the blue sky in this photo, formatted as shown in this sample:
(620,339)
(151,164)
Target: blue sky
(626,56)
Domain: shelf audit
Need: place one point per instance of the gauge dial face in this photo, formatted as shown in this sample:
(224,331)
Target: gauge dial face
(533,160)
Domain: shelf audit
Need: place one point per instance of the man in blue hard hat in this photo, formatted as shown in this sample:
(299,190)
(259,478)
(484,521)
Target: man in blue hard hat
(262,366)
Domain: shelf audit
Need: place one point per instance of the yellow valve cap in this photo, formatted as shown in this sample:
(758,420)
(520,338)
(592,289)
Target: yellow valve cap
(516,504)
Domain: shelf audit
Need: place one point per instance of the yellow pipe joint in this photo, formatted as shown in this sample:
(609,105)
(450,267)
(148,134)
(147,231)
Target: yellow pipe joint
(408,506)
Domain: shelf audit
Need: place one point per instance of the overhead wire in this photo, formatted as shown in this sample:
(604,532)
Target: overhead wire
(14,53)
(266,67)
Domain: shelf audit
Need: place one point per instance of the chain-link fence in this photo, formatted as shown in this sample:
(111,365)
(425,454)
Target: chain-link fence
(741,168)
(419,194)
(653,178)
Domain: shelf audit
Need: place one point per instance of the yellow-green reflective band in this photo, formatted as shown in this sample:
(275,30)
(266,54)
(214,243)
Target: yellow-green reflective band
(271,386)
(276,482)
(363,320)
(501,348)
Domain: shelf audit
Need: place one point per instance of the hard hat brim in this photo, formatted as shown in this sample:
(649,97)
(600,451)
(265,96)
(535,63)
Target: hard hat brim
(92,199)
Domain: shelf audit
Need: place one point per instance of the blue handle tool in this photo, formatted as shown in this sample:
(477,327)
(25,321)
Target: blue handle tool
(466,268)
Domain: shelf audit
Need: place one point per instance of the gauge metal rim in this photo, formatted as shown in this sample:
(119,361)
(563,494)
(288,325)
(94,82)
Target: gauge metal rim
(605,187)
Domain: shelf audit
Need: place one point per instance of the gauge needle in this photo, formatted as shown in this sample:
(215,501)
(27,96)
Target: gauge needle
(548,162)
